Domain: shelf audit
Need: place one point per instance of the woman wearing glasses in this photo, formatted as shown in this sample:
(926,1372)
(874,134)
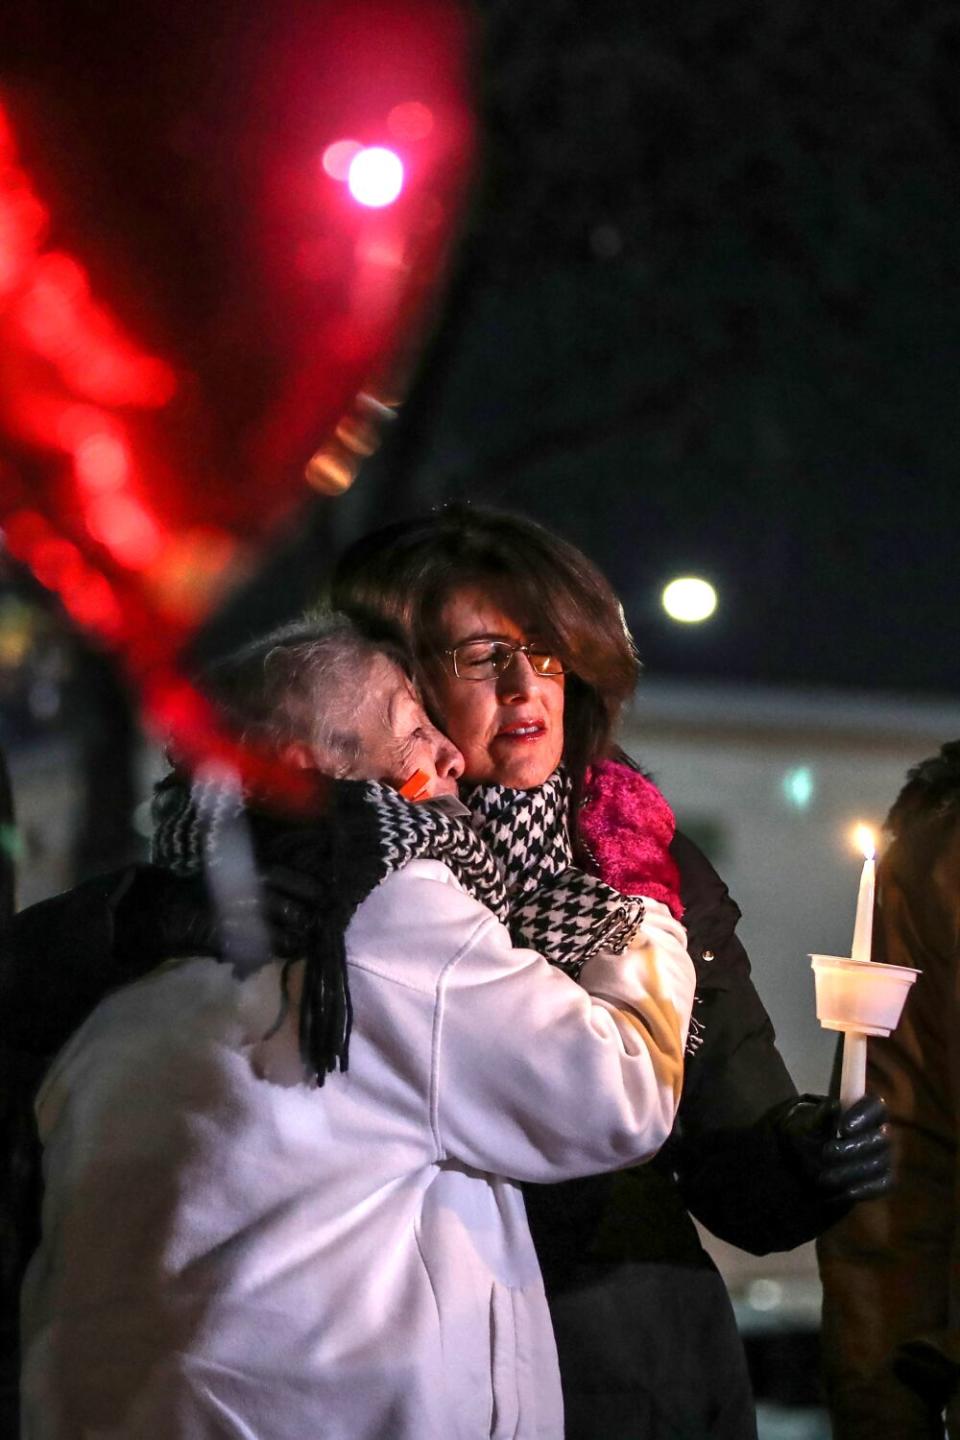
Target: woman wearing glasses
(527,664)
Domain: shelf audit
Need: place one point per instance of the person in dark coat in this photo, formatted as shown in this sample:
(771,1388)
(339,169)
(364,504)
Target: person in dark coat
(646,1334)
(645,1331)
(891,1284)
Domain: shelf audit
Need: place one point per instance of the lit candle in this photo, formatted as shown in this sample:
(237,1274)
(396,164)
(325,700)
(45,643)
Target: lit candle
(854,996)
(853,1071)
(863,926)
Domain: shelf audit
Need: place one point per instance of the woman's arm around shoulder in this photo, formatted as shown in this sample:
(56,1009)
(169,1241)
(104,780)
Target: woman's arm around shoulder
(533,1075)
(541,1078)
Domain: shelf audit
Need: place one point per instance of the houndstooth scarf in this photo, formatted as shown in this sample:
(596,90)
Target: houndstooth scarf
(555,908)
(513,856)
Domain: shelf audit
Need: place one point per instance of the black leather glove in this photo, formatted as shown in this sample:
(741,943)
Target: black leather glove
(845,1154)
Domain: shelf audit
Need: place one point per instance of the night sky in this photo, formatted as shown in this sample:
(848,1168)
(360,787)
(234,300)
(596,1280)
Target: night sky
(704,317)
(709,320)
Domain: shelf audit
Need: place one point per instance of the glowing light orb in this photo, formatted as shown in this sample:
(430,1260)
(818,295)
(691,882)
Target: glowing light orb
(765,1294)
(798,787)
(337,158)
(689,599)
(375,177)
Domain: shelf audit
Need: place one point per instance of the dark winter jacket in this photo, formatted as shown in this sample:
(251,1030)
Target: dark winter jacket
(891,1268)
(645,1330)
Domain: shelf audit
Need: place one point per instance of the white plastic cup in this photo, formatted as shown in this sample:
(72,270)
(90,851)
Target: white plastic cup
(860,995)
(859,998)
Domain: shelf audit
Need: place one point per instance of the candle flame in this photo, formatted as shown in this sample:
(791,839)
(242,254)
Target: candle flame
(865,839)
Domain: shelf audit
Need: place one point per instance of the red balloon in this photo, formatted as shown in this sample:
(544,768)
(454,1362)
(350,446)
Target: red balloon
(158,432)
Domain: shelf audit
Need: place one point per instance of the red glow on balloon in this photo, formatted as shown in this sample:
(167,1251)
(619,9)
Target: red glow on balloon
(59,565)
(125,527)
(77,424)
(176,708)
(65,326)
(23,221)
(94,606)
(25,531)
(144,506)
(410,121)
(101,461)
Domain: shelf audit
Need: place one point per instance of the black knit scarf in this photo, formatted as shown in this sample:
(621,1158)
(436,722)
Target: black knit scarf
(511,853)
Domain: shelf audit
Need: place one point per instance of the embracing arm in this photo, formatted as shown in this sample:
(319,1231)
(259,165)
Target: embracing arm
(533,1075)
(547,1079)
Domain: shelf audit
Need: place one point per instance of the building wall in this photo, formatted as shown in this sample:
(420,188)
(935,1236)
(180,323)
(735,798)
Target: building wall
(735,765)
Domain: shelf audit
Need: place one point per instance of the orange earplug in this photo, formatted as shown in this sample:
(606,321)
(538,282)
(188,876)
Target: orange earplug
(416,787)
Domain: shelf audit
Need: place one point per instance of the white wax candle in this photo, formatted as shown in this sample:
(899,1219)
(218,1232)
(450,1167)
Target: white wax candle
(853,1074)
(863,927)
(853,1071)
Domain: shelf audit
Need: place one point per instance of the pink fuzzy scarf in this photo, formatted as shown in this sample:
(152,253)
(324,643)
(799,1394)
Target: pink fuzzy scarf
(628,826)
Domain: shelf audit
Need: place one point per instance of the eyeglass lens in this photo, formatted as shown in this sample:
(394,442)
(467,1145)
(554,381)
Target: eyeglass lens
(482,659)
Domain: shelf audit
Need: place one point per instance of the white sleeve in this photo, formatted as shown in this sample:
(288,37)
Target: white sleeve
(539,1078)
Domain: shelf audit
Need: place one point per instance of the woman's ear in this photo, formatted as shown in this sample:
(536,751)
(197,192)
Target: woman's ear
(300,756)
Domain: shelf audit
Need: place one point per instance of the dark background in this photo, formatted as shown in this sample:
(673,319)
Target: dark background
(762,383)
(706,318)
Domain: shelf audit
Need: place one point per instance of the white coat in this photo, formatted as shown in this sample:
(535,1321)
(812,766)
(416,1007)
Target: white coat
(228,1251)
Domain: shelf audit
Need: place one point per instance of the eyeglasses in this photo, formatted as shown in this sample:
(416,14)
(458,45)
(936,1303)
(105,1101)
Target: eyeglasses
(485,659)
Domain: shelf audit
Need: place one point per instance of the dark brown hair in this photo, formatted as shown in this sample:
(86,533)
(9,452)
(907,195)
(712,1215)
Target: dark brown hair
(405,572)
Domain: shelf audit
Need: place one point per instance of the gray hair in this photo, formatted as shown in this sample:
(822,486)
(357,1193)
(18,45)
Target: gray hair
(305,683)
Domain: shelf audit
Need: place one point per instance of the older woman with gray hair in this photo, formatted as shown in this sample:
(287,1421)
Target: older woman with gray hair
(276,1200)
